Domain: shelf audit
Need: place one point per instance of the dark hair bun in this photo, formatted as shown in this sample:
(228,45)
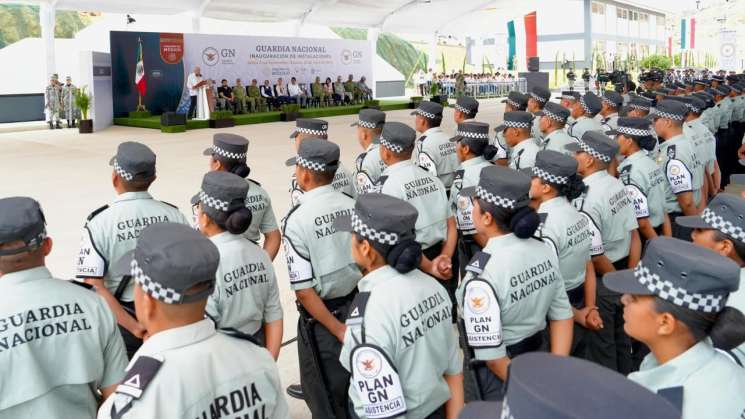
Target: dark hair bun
(238,221)
(241,170)
(524,222)
(575,187)
(729,330)
(489,152)
(405,256)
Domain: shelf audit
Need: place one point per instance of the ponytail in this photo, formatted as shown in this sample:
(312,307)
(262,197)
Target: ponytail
(485,150)
(523,222)
(728,331)
(573,189)
(235,167)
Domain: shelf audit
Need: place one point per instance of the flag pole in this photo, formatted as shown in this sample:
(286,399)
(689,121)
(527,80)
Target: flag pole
(140,106)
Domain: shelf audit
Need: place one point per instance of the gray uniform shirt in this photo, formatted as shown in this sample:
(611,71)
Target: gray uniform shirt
(203,372)
(368,168)
(466,176)
(645,185)
(609,122)
(317,256)
(567,232)
(246,295)
(611,214)
(725,112)
(342,182)
(426,193)
(523,154)
(583,124)
(704,143)
(435,153)
(525,277)
(262,213)
(422,347)
(556,141)
(59,343)
(737,300)
(683,171)
(112,231)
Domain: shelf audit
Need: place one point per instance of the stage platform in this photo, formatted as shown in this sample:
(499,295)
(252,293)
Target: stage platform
(153,122)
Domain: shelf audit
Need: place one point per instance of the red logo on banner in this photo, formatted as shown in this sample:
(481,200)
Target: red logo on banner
(171,47)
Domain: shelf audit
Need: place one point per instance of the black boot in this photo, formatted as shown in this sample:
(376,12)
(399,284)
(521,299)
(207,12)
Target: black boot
(74,125)
(59,126)
(51,125)
(69,125)
(295,391)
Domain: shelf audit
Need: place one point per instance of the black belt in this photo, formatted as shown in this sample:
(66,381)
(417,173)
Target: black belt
(577,296)
(530,344)
(332,305)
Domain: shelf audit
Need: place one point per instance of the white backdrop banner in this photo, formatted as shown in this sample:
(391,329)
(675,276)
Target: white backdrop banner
(268,58)
(727,49)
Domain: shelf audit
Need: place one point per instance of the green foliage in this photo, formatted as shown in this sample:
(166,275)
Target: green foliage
(83,101)
(221,115)
(656,61)
(22,21)
(371,103)
(290,108)
(434,89)
(416,99)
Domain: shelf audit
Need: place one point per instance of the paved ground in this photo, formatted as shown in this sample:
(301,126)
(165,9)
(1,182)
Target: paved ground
(69,174)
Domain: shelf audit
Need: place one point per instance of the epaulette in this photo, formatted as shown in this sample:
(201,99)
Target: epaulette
(169,204)
(257,183)
(98,211)
(235,333)
(287,217)
(81,284)
(134,384)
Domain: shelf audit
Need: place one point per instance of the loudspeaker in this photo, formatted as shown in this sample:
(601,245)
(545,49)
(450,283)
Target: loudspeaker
(172,118)
(534,64)
(534,79)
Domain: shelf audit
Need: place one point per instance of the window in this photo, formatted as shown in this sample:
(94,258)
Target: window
(661,21)
(598,8)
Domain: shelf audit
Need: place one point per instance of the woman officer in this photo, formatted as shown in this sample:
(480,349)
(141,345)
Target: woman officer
(512,286)
(246,296)
(674,302)
(399,343)
(555,184)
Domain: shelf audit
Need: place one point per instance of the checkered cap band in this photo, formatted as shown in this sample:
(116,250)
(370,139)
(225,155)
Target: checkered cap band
(517,124)
(462,109)
(584,105)
(666,115)
(497,200)
(426,114)
(591,151)
(638,106)
(152,288)
(609,102)
(228,154)
(718,222)
(366,124)
(212,202)
(474,135)
(370,233)
(121,172)
(513,103)
(390,146)
(553,116)
(666,290)
(570,97)
(634,131)
(693,108)
(550,177)
(538,98)
(318,132)
(310,164)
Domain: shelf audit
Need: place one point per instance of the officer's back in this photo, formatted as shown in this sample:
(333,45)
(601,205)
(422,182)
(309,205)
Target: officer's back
(59,343)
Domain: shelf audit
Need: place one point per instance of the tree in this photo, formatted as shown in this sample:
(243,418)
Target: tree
(656,61)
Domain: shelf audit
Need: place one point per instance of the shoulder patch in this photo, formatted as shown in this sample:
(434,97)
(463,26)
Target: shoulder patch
(359,160)
(671,152)
(625,174)
(134,384)
(381,180)
(478,263)
(169,204)
(98,211)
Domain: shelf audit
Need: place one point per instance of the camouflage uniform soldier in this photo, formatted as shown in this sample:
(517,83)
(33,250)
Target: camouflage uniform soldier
(69,107)
(254,95)
(243,103)
(53,102)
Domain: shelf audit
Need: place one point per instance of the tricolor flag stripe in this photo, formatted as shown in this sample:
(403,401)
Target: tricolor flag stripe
(682,34)
(140,80)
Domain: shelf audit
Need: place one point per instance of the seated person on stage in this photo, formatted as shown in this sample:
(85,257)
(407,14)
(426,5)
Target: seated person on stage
(281,92)
(350,86)
(225,98)
(317,91)
(296,93)
(267,93)
(254,94)
(340,92)
(365,92)
(328,90)
(242,103)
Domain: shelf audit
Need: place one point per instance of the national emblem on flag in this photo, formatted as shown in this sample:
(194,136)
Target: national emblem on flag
(140,80)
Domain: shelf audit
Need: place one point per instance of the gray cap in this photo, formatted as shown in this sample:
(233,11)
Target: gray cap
(228,146)
(370,118)
(472,131)
(638,129)
(170,259)
(569,95)
(501,186)
(221,193)
(380,218)
(554,167)
(670,109)
(133,161)
(680,273)
(397,137)
(317,155)
(516,99)
(541,94)
(555,111)
(725,213)
(591,103)
(467,105)
(640,103)
(596,144)
(516,119)
(429,110)
(612,98)
(317,128)
(724,89)
(21,219)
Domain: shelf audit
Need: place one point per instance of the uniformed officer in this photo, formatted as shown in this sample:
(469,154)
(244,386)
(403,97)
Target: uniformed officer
(515,101)
(583,112)
(228,154)
(433,151)
(554,185)
(539,97)
(721,228)
(323,275)
(709,116)
(512,287)
(516,129)
(113,229)
(59,345)
(704,143)
(608,115)
(679,164)
(318,128)
(567,99)
(69,106)
(474,153)
(187,369)
(639,106)
(403,359)
(53,102)
(644,181)
(545,386)
(246,296)
(553,119)
(615,242)
(466,108)
(674,300)
(368,166)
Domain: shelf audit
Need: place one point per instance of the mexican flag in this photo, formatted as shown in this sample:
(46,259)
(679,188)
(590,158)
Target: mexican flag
(140,80)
